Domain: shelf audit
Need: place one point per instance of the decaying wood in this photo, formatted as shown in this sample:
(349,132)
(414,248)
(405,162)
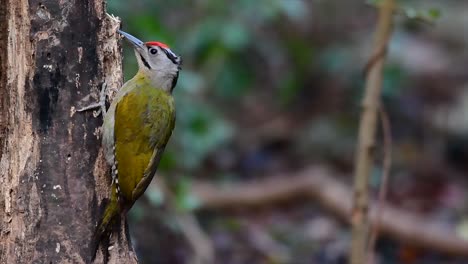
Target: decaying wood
(53,176)
(319,184)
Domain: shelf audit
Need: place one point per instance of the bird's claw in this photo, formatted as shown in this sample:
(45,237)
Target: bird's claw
(101,105)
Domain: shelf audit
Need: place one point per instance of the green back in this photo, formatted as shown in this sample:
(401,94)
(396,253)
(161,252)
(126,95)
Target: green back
(144,120)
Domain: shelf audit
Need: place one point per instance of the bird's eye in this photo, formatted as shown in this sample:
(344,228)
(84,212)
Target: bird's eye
(153,51)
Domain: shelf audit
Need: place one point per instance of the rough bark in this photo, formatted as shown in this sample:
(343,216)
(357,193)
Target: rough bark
(53,177)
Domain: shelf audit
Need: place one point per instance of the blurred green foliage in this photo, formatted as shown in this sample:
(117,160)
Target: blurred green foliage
(272,86)
(404,6)
(248,61)
(218,43)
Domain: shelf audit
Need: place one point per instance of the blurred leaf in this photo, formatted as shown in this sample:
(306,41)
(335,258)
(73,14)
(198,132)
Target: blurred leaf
(232,224)
(295,9)
(429,16)
(434,13)
(137,213)
(462,229)
(335,59)
(199,125)
(204,41)
(235,79)
(303,53)
(155,196)
(289,88)
(184,199)
(189,83)
(235,36)
(200,130)
(410,12)
(394,80)
(168,161)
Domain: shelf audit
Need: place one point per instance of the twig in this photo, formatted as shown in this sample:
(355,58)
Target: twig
(386,167)
(366,140)
(319,184)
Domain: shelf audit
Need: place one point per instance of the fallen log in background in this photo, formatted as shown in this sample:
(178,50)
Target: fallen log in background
(318,183)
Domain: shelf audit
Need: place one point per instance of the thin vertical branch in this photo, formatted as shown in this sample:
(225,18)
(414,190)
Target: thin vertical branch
(366,140)
(386,167)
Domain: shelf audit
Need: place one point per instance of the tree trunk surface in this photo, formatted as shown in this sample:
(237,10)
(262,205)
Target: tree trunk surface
(54,180)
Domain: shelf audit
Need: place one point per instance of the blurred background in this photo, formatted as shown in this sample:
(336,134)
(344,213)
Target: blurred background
(271,89)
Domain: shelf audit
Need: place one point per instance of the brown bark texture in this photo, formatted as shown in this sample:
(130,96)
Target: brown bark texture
(54,180)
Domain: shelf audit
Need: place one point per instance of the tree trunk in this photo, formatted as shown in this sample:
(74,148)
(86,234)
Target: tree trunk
(53,178)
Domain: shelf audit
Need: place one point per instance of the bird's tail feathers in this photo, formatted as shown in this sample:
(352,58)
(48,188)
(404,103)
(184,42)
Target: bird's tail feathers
(104,226)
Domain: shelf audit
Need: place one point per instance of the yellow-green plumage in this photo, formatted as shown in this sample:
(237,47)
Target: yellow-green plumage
(144,120)
(136,129)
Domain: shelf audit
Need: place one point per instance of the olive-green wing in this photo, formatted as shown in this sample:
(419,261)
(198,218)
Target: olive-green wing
(143,124)
(148,174)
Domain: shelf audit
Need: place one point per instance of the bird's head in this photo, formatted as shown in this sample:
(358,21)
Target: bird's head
(156,61)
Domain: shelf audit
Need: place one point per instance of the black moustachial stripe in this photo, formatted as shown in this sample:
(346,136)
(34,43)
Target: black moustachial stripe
(174,81)
(145,62)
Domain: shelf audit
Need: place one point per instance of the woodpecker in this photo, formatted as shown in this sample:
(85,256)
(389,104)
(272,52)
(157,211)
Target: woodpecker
(137,127)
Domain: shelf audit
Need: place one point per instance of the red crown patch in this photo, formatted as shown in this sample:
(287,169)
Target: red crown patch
(157,43)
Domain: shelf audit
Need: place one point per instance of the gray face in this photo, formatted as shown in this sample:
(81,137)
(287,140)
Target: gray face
(161,64)
(157,61)
(159,58)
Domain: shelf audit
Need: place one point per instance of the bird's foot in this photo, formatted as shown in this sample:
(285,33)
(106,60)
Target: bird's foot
(101,105)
